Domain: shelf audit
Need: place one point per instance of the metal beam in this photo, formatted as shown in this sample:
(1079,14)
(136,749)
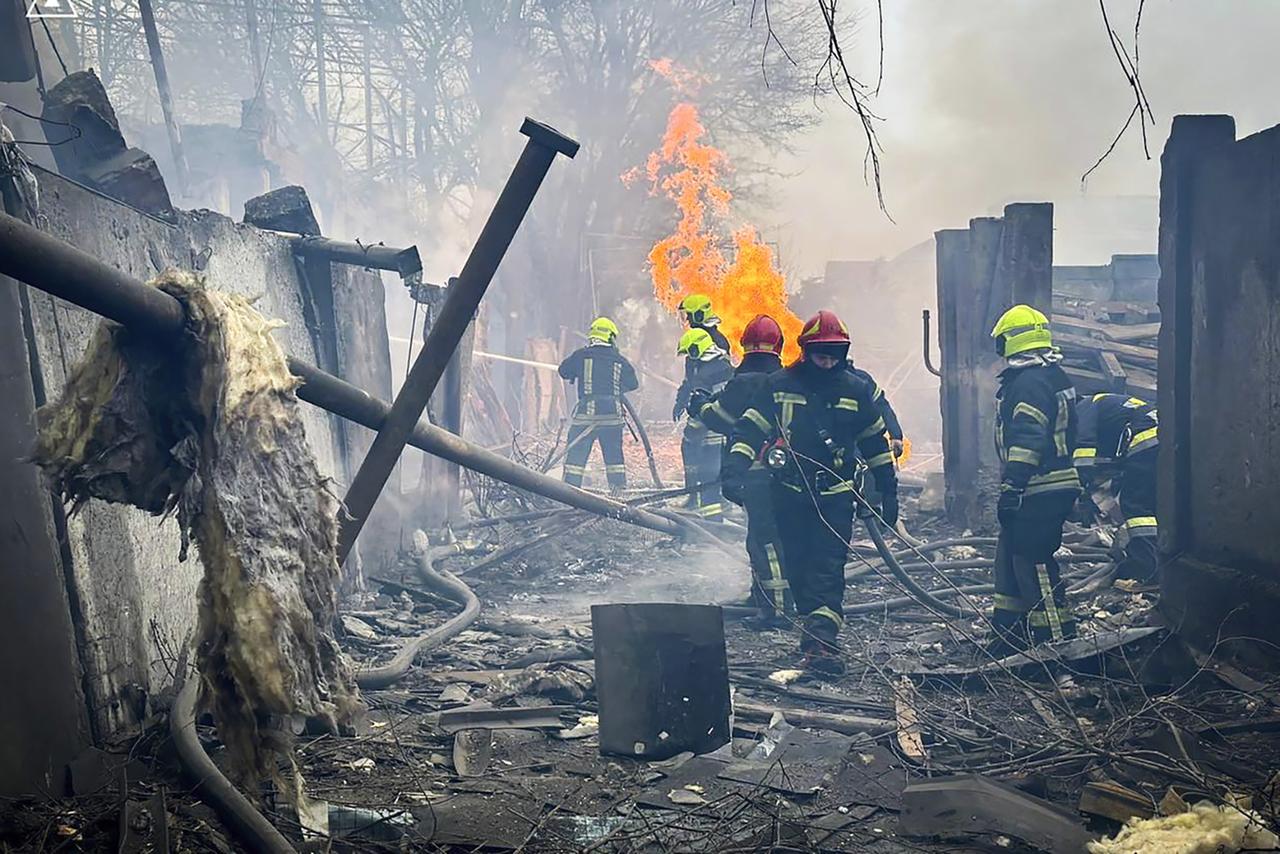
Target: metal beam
(448,329)
(58,268)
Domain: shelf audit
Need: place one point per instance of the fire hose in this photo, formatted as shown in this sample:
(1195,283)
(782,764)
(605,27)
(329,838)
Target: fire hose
(644,440)
(440,581)
(637,432)
(242,817)
(924,597)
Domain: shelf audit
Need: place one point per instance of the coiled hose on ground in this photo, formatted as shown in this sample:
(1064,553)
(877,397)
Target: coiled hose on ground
(439,581)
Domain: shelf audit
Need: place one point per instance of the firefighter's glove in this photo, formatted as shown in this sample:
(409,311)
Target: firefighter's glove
(677,411)
(889,508)
(1008,505)
(698,398)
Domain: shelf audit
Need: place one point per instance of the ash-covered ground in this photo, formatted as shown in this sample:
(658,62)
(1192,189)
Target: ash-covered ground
(1127,722)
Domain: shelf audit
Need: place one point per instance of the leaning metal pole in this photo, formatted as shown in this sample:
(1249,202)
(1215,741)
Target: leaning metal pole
(448,329)
(56,267)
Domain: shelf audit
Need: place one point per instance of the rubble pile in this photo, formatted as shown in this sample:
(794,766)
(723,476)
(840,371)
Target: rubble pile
(493,740)
(1109,346)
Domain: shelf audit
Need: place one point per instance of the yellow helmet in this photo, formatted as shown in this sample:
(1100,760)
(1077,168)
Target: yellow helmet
(695,344)
(697,308)
(1019,329)
(604,330)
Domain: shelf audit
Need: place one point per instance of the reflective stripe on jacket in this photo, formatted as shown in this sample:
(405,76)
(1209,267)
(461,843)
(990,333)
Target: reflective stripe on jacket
(1036,430)
(781,411)
(1113,425)
(602,375)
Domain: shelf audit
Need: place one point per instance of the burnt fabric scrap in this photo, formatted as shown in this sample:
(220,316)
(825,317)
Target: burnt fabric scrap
(209,428)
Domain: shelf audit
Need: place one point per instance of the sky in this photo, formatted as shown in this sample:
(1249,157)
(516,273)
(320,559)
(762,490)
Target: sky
(986,102)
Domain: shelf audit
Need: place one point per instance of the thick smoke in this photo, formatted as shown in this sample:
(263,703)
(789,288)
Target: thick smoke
(988,102)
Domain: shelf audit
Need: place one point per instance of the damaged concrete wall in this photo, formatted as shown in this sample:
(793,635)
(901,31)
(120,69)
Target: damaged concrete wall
(981,271)
(1220,382)
(136,603)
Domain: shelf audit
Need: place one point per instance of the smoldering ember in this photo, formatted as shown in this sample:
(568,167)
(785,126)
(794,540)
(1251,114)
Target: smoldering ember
(605,426)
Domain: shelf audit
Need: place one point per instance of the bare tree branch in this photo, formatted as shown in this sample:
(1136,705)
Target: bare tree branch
(1129,67)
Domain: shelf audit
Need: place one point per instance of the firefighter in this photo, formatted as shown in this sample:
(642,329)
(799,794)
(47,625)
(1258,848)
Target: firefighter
(1035,435)
(1118,438)
(762,355)
(707,368)
(814,424)
(697,312)
(603,375)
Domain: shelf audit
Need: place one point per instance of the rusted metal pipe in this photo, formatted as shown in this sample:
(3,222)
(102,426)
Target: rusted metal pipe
(448,329)
(928,363)
(54,266)
(406,262)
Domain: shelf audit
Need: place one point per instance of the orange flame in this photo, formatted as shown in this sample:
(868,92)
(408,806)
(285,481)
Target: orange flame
(689,260)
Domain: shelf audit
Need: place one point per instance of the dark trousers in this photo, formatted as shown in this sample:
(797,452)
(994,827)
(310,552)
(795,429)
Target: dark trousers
(700,451)
(582,436)
(1138,503)
(770,590)
(815,533)
(1030,596)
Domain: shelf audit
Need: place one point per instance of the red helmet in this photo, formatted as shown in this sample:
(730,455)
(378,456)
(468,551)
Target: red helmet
(824,328)
(762,335)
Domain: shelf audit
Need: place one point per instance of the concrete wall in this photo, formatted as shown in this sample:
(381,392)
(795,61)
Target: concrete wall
(982,271)
(1220,382)
(132,599)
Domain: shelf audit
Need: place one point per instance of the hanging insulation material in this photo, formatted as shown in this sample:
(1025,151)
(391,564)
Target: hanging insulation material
(210,429)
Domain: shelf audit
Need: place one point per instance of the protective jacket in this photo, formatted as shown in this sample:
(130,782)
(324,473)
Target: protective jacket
(891,424)
(1036,427)
(1112,426)
(723,411)
(602,375)
(1119,439)
(825,421)
(711,375)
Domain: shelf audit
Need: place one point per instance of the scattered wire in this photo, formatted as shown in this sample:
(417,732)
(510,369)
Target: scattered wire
(53,44)
(76,132)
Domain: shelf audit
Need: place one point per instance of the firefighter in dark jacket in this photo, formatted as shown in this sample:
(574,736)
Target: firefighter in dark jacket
(1035,436)
(603,375)
(762,355)
(1118,438)
(813,424)
(707,369)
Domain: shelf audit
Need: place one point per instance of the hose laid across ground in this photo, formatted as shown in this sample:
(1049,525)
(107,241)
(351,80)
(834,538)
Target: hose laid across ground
(442,582)
(243,819)
(924,597)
